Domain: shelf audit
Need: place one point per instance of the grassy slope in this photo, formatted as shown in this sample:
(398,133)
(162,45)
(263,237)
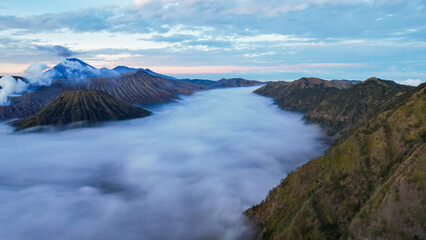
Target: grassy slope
(329,197)
(344,110)
(82,105)
(301,94)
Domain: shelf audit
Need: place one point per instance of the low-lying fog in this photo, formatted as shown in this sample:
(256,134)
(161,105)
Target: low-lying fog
(187,172)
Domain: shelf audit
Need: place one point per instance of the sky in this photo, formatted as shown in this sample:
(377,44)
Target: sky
(262,40)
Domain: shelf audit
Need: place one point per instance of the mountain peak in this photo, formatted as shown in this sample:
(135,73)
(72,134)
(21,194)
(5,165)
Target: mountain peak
(373,79)
(124,69)
(74,68)
(308,81)
(381,82)
(79,61)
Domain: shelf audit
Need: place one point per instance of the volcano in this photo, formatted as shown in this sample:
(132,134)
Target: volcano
(91,106)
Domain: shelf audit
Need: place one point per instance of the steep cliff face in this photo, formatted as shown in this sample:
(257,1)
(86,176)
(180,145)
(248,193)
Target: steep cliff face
(91,106)
(369,185)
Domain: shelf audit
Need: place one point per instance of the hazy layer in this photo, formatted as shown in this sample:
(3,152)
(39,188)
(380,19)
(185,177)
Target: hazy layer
(187,172)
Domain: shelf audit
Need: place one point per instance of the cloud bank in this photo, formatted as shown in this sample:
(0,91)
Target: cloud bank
(187,172)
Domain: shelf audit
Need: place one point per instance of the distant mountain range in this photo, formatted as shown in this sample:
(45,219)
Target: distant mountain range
(137,86)
(224,83)
(72,68)
(87,106)
(370,184)
(124,69)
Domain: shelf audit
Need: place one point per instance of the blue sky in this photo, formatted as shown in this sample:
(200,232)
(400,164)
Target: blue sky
(265,40)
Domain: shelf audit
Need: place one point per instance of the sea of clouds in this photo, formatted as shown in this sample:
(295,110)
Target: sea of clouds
(186,172)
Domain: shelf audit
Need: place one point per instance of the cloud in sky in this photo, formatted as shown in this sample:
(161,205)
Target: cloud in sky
(247,7)
(412,82)
(194,33)
(59,50)
(230,68)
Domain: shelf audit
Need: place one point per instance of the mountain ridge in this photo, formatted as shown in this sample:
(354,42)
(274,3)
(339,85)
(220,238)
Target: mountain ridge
(137,87)
(348,108)
(224,83)
(302,93)
(337,105)
(354,191)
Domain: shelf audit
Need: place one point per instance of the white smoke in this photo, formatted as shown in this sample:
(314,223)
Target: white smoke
(34,75)
(10,87)
(37,76)
(185,173)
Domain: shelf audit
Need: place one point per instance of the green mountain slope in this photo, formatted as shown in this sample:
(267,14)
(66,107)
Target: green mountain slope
(396,209)
(338,106)
(301,94)
(82,105)
(369,185)
(343,110)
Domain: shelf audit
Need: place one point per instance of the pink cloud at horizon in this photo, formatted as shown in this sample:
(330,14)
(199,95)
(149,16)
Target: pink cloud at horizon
(18,69)
(232,68)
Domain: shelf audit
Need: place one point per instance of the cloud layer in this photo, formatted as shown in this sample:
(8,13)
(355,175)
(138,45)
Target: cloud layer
(187,172)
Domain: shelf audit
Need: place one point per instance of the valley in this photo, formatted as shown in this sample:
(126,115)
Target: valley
(204,132)
(192,167)
(213,120)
